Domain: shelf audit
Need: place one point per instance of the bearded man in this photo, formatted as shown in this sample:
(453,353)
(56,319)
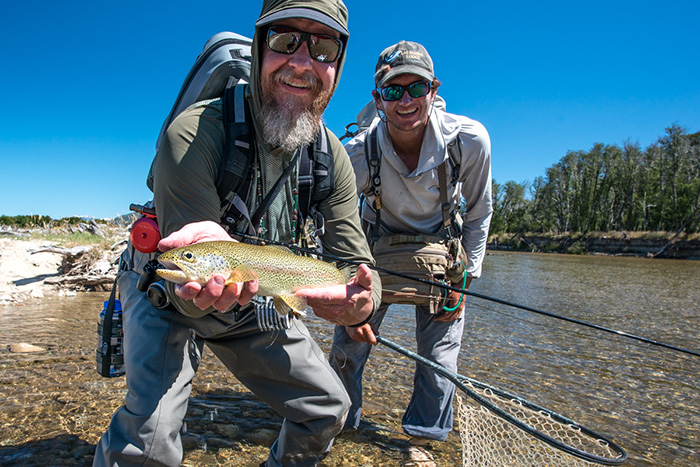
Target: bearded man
(297,56)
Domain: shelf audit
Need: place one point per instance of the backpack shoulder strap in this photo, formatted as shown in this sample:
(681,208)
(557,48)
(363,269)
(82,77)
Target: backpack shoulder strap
(374,162)
(454,150)
(236,175)
(444,203)
(316,178)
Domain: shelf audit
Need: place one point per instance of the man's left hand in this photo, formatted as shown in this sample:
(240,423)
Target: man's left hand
(343,304)
(452,300)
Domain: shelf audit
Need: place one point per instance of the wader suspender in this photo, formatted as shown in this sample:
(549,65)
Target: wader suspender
(374,162)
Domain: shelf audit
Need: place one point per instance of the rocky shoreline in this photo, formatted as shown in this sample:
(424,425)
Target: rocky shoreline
(32,268)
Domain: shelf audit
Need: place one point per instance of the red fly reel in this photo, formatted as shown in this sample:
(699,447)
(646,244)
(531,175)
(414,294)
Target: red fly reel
(145,235)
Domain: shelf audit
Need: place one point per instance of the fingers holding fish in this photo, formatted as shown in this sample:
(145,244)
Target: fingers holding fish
(217,293)
(203,296)
(194,232)
(247,292)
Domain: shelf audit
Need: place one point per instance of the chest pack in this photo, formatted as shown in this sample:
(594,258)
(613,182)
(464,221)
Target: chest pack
(222,70)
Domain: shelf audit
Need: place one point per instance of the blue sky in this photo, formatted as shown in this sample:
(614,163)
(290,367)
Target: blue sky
(86,86)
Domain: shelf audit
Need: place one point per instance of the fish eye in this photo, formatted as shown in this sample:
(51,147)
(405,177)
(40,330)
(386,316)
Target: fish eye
(188,255)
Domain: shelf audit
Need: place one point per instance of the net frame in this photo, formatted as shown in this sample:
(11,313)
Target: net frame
(511,409)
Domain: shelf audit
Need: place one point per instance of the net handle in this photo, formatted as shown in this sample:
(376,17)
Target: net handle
(458,379)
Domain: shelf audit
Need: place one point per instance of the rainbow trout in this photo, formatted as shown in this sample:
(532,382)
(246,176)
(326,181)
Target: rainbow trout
(279,272)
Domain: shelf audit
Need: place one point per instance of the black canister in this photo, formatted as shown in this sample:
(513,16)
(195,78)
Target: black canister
(110,341)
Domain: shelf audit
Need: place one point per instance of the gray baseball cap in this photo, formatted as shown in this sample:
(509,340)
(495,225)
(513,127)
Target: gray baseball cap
(403,58)
(332,13)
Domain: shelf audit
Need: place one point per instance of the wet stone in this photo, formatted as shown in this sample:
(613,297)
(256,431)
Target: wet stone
(23,347)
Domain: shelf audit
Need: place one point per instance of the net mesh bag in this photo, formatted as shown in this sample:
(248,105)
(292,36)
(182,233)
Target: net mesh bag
(488,440)
(500,429)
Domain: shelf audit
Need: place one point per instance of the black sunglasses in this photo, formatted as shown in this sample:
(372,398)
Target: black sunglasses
(394,92)
(286,40)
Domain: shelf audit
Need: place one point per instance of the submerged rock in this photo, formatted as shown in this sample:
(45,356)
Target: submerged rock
(23,347)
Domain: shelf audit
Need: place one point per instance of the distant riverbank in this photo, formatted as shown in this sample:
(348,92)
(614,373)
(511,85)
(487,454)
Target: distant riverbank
(644,244)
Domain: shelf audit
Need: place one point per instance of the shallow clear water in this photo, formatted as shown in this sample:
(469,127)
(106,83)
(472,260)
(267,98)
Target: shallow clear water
(54,406)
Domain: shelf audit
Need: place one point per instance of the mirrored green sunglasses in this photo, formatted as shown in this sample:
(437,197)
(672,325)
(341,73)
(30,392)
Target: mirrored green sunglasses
(394,92)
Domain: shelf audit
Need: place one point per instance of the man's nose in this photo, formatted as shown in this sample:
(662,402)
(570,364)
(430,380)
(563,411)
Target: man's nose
(301,58)
(405,97)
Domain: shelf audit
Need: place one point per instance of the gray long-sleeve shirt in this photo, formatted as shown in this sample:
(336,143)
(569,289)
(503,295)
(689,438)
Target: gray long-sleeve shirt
(411,201)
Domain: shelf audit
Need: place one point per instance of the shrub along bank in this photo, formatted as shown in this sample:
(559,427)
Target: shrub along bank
(645,244)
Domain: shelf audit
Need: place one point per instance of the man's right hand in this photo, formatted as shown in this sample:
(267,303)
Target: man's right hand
(196,232)
(214,293)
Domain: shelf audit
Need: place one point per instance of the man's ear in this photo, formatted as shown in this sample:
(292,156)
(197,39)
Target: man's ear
(377,99)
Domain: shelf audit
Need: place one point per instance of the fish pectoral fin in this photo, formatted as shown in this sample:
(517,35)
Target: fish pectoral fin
(285,303)
(281,307)
(243,273)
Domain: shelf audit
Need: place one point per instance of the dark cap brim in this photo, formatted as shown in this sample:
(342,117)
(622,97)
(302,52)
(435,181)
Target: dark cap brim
(307,13)
(405,70)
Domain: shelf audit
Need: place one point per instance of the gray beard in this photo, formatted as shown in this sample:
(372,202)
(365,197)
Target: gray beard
(286,128)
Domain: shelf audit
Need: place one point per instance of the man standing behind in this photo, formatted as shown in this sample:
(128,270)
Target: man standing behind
(415,137)
(297,56)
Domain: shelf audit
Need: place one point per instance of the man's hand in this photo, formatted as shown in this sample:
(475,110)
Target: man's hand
(343,304)
(453,298)
(196,232)
(364,334)
(214,293)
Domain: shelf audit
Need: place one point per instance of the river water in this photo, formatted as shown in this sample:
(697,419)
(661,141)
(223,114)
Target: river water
(54,406)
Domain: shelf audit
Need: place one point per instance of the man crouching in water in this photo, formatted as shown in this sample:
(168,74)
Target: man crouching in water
(297,56)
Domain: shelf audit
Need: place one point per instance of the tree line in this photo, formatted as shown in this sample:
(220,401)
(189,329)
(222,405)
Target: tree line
(39,221)
(609,188)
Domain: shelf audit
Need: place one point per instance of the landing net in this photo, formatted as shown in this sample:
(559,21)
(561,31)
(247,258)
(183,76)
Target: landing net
(499,429)
(521,434)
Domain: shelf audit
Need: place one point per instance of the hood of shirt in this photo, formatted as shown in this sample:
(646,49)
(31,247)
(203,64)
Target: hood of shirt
(334,10)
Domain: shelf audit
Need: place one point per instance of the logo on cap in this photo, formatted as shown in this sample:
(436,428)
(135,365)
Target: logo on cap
(392,57)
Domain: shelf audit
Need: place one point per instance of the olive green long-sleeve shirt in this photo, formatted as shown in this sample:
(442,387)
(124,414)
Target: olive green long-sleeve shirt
(185,172)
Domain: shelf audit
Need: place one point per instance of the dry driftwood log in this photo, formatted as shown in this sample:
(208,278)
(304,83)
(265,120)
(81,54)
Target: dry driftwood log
(83,268)
(83,282)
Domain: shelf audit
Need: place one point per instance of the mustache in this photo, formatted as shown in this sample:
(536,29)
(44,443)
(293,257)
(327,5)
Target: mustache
(307,79)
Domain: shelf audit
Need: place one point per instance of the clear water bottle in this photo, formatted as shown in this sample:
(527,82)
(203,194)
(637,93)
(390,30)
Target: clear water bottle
(114,347)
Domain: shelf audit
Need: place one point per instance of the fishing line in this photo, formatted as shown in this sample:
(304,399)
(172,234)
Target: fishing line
(481,296)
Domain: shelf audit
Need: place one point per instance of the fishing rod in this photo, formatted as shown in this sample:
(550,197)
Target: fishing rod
(478,295)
